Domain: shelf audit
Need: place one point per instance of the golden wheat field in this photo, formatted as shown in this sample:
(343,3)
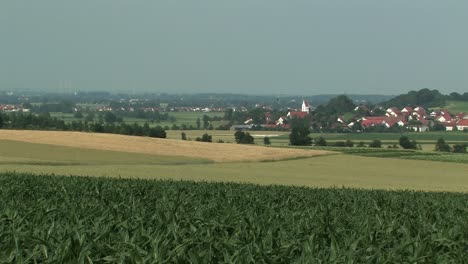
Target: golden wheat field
(218,152)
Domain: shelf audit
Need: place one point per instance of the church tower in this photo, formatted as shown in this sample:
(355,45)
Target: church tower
(305,106)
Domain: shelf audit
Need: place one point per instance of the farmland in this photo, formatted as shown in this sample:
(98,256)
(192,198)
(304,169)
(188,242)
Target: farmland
(181,118)
(89,154)
(457,106)
(155,146)
(74,219)
(165,201)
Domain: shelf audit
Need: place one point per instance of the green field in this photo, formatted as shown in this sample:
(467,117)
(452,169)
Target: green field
(322,171)
(427,140)
(186,118)
(457,106)
(56,219)
(143,208)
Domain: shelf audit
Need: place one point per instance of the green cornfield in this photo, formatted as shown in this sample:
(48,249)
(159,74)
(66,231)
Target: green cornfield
(61,219)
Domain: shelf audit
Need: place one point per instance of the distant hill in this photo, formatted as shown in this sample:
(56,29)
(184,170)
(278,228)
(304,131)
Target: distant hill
(357,98)
(424,97)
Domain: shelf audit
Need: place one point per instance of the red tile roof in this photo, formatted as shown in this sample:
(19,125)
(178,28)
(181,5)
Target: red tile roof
(298,114)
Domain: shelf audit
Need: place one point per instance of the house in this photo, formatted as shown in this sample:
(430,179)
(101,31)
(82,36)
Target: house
(443,117)
(281,121)
(248,121)
(268,118)
(393,111)
(390,122)
(419,109)
(422,127)
(462,124)
(407,109)
(241,127)
(370,121)
(341,120)
(449,126)
(298,114)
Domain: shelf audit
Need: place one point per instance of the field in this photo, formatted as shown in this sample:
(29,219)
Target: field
(457,106)
(173,201)
(89,154)
(427,140)
(181,118)
(90,220)
(156,146)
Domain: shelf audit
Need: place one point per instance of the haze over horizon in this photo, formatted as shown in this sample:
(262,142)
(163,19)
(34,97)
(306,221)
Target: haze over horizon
(242,47)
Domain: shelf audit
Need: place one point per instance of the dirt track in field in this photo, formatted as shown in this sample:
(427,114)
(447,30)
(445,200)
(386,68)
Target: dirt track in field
(219,152)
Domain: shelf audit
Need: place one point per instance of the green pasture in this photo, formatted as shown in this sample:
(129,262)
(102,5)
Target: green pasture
(427,140)
(324,171)
(457,106)
(181,118)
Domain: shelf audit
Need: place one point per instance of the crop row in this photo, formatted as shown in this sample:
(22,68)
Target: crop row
(52,219)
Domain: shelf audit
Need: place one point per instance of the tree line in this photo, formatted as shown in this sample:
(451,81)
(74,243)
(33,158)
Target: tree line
(46,122)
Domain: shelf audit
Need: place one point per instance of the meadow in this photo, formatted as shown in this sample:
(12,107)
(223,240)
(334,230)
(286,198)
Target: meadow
(181,118)
(457,106)
(54,219)
(230,162)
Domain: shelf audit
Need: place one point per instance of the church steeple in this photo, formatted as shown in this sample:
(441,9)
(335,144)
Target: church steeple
(305,106)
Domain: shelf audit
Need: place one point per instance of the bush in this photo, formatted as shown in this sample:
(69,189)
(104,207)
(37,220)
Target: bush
(321,142)
(205,138)
(361,144)
(243,137)
(407,144)
(300,136)
(459,148)
(266,141)
(375,144)
(349,143)
(183,136)
(341,144)
(157,132)
(442,146)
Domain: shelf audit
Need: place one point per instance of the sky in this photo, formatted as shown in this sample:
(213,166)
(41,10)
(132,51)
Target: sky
(274,47)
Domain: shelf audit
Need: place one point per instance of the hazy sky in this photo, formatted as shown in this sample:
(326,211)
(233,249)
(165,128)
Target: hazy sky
(240,46)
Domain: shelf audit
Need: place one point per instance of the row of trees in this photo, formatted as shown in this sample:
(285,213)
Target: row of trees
(442,146)
(46,122)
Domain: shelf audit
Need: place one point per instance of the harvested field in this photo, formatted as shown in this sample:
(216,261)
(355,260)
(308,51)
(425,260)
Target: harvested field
(166,147)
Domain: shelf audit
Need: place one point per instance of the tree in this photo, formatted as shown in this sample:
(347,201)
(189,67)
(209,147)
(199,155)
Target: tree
(206,120)
(1,121)
(442,146)
(157,132)
(266,141)
(78,115)
(205,138)
(375,144)
(407,144)
(90,117)
(438,127)
(243,137)
(459,148)
(110,117)
(198,123)
(321,142)
(300,131)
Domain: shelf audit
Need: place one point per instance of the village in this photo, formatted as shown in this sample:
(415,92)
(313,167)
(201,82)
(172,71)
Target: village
(416,119)
(362,118)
